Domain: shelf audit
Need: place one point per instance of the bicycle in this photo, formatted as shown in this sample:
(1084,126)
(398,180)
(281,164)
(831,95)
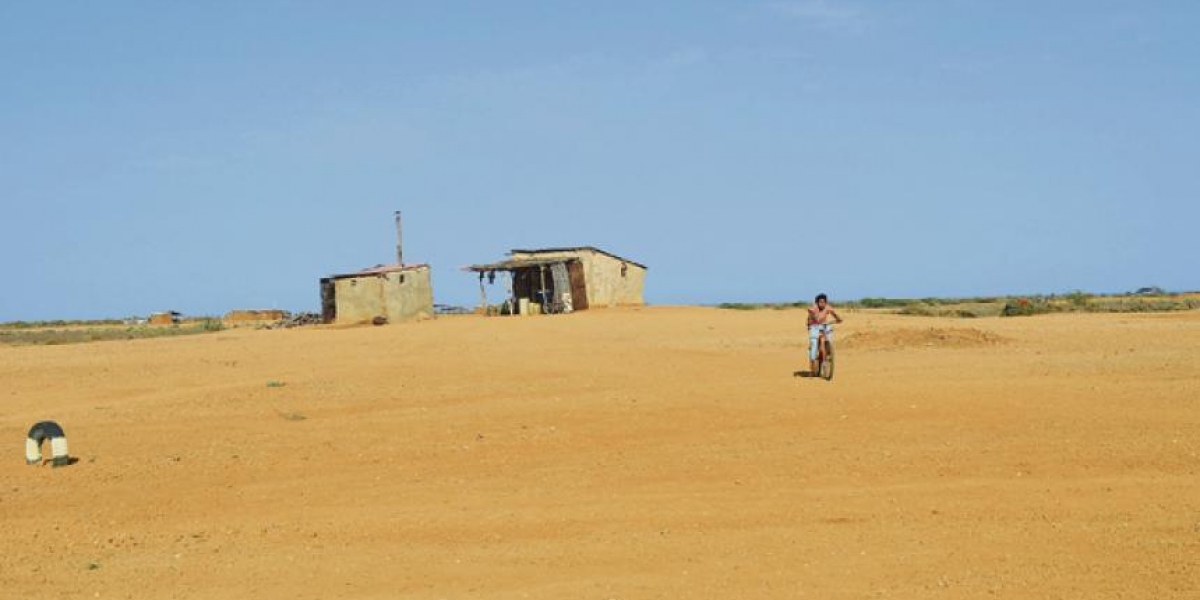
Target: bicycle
(824,354)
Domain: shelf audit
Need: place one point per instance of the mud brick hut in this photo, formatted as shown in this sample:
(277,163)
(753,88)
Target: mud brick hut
(168,317)
(237,318)
(560,280)
(396,293)
(383,293)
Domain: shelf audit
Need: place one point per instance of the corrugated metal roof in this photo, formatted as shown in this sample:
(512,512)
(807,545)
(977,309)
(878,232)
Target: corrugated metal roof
(379,270)
(580,249)
(518,263)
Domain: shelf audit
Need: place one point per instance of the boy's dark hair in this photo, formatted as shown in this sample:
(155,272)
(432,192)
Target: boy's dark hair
(821,297)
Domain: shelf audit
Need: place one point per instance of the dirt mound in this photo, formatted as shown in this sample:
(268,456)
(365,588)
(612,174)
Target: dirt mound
(933,337)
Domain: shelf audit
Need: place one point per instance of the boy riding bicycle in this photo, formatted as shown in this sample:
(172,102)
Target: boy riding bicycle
(818,317)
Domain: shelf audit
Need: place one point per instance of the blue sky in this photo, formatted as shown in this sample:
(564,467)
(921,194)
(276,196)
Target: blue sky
(206,156)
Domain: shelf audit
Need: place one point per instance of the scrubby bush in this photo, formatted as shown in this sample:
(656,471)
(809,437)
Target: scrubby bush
(1078,299)
(1024,307)
(739,306)
(883,302)
(919,309)
(1129,305)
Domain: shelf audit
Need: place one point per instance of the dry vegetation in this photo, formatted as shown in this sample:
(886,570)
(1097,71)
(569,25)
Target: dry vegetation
(52,333)
(1008,306)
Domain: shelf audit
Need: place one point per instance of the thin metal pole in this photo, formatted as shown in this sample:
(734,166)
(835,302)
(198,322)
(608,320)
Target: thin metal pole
(399,241)
(482,295)
(542,275)
(512,293)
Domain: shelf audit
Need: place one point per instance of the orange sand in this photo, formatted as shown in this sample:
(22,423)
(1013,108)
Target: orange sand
(632,454)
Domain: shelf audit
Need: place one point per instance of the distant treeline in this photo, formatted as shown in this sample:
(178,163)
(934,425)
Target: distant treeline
(1008,306)
(59,323)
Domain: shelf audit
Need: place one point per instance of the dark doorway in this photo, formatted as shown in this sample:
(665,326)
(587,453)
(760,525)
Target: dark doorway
(579,299)
(328,301)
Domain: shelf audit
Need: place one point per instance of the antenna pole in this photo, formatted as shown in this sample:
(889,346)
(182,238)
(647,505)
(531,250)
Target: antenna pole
(399,241)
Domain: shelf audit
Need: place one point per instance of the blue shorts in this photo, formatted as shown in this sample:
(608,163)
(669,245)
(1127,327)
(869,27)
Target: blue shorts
(814,333)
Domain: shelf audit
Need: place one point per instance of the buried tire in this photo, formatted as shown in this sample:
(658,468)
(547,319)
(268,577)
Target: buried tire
(40,432)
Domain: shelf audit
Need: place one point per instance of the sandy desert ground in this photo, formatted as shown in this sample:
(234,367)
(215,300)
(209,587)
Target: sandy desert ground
(616,454)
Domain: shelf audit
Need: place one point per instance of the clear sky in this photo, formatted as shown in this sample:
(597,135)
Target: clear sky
(205,156)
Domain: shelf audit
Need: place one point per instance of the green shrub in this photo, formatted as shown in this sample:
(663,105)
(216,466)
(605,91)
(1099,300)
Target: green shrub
(739,306)
(883,302)
(1078,299)
(1024,307)
(919,309)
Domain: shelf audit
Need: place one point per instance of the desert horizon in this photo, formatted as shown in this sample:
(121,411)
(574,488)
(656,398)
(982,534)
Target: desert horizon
(511,300)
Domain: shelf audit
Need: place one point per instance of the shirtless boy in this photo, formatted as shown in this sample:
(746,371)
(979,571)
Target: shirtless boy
(818,320)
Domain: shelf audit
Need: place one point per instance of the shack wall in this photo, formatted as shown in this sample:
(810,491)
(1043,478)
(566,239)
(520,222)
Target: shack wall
(612,282)
(398,295)
(234,317)
(163,319)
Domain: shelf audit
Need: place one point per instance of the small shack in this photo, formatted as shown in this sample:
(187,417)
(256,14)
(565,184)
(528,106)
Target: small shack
(253,317)
(562,280)
(168,317)
(381,294)
(396,293)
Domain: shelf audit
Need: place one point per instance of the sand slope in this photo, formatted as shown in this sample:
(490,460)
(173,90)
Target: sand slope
(642,453)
